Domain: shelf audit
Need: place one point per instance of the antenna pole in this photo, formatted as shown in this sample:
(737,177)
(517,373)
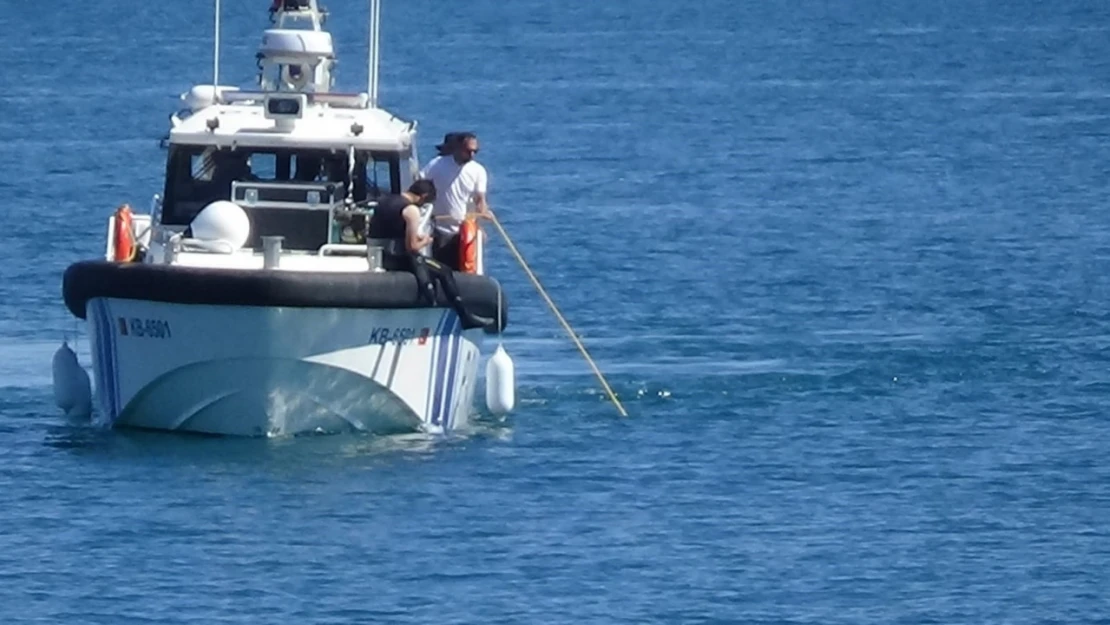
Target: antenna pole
(216,52)
(375,28)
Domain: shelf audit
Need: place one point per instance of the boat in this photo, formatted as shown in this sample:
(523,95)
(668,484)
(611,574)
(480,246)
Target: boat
(249,301)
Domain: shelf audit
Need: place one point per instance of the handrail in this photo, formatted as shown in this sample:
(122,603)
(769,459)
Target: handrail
(335,100)
(218,246)
(342,249)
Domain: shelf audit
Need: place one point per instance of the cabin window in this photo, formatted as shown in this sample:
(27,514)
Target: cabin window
(379,179)
(264,167)
(202,166)
(198,175)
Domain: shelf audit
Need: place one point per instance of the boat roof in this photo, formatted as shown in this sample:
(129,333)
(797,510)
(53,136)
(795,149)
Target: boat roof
(329,121)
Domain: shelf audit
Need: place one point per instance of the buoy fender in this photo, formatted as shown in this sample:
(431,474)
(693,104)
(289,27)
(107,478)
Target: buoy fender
(500,383)
(72,389)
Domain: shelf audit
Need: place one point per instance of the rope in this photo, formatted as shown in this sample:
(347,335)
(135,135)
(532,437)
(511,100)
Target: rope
(500,315)
(558,315)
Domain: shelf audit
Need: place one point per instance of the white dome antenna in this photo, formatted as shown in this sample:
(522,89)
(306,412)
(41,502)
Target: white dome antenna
(296,60)
(222,221)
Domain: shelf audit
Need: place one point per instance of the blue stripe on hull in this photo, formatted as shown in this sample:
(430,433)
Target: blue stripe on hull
(429,400)
(441,366)
(110,377)
(113,331)
(100,365)
(453,364)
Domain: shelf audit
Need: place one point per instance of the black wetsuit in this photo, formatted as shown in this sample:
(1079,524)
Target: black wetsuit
(446,249)
(389,223)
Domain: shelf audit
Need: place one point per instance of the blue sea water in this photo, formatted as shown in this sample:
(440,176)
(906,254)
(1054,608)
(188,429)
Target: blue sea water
(846,264)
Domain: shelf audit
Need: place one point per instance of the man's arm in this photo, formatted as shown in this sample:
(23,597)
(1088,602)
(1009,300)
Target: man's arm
(414,241)
(479,196)
(480,203)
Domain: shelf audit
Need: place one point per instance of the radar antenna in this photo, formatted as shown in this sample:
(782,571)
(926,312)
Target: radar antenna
(294,57)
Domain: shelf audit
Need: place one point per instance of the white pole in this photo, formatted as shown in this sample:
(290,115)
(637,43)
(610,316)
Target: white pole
(216,52)
(375,29)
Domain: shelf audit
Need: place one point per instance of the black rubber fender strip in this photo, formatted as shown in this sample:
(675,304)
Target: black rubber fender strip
(175,284)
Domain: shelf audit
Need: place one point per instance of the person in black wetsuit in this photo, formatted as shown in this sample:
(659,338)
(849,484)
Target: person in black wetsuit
(397,218)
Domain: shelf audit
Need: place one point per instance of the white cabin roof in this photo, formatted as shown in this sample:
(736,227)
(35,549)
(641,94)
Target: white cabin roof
(328,121)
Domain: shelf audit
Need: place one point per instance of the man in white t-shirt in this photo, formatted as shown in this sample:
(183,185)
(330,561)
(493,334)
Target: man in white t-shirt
(443,150)
(461,185)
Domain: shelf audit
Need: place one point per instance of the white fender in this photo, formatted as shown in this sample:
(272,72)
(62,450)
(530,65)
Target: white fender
(72,389)
(500,385)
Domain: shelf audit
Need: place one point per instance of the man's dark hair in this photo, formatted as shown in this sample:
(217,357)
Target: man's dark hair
(424,188)
(463,137)
(448,145)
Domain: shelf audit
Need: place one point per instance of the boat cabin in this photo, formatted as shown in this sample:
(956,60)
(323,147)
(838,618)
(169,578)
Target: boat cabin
(312,197)
(301,161)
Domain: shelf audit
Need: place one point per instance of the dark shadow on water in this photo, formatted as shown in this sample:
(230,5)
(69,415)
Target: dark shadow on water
(189,449)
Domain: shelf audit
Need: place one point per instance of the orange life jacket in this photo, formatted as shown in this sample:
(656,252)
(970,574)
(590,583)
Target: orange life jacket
(124,235)
(468,245)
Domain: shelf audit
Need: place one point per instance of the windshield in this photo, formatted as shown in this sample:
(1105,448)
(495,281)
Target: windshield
(198,175)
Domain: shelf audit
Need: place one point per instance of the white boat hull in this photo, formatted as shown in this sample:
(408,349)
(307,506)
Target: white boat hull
(274,371)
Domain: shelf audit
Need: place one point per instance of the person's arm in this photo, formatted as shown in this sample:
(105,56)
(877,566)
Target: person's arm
(480,204)
(414,241)
(480,185)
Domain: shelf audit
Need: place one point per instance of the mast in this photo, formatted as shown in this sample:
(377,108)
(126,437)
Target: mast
(375,31)
(216,52)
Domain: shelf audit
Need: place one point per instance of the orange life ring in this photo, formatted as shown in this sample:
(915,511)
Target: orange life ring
(468,245)
(124,235)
